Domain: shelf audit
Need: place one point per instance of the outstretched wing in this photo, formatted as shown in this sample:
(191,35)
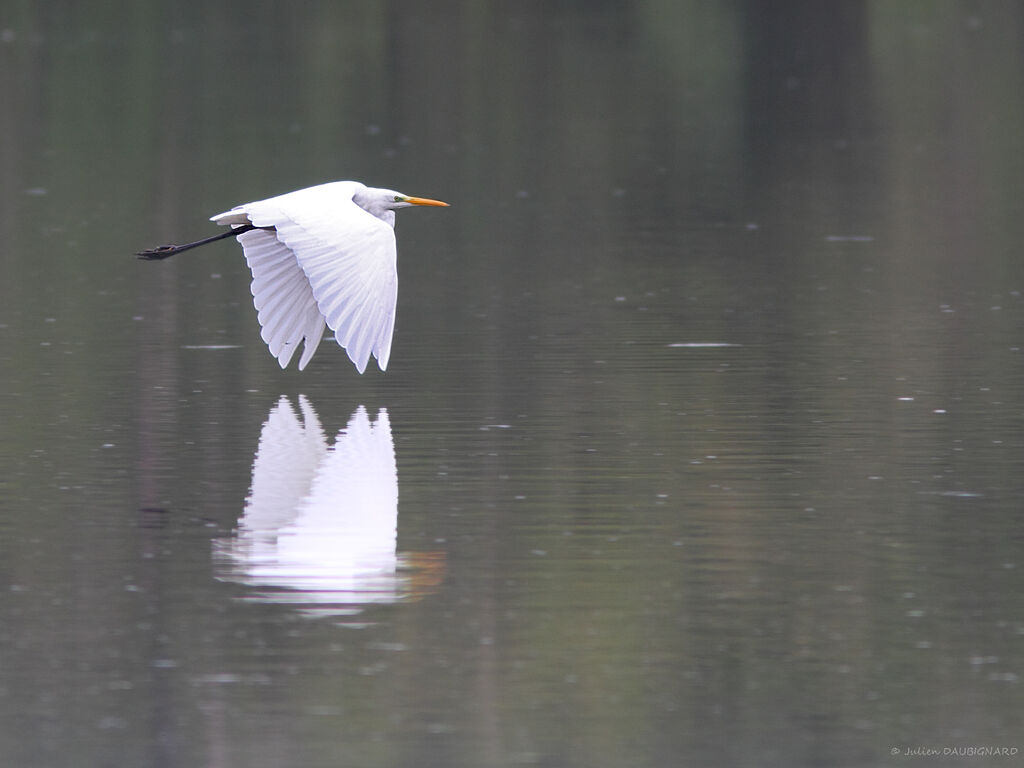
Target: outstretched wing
(287,311)
(348,257)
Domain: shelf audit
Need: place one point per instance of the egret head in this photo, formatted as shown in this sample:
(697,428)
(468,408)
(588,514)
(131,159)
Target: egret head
(380,201)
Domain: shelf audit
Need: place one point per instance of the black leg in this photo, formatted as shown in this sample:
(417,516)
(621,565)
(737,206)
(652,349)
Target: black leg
(163,251)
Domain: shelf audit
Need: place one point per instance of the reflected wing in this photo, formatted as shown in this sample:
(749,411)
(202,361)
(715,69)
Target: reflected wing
(349,259)
(286,462)
(345,534)
(285,305)
(359,472)
(333,532)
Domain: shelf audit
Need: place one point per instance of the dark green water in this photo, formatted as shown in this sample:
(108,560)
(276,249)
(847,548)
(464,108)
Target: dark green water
(702,440)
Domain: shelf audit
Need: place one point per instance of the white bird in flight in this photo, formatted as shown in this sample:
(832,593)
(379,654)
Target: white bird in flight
(320,256)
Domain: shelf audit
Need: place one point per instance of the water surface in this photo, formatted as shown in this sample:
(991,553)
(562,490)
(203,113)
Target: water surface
(701,440)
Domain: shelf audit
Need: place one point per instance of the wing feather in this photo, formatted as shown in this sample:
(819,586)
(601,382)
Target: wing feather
(348,257)
(285,306)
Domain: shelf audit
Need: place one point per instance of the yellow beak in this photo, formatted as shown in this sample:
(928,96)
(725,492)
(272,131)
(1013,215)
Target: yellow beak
(424,201)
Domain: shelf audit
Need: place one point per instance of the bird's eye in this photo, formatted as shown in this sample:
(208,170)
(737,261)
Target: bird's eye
(398,198)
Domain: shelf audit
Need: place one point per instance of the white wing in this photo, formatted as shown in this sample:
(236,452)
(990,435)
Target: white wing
(348,258)
(286,463)
(320,527)
(343,540)
(285,306)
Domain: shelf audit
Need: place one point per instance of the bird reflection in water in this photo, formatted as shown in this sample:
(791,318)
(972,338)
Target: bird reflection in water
(320,525)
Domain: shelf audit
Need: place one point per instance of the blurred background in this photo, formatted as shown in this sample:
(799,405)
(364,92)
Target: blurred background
(702,440)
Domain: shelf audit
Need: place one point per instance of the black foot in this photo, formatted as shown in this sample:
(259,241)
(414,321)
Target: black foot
(160,252)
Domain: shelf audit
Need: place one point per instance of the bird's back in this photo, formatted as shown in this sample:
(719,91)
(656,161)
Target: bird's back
(316,203)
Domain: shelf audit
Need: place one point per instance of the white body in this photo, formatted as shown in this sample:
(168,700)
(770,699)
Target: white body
(328,261)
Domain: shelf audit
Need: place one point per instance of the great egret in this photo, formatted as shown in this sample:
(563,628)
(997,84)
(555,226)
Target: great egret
(319,256)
